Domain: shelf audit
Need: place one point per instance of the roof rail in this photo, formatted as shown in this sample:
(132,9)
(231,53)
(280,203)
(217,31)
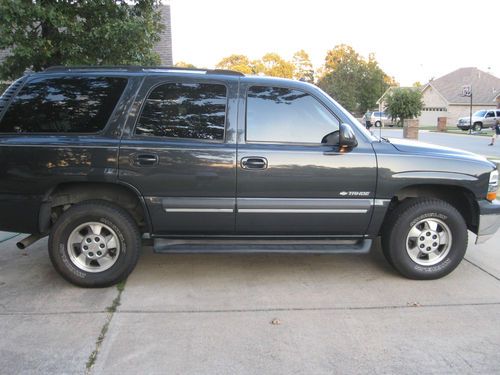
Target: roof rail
(136,68)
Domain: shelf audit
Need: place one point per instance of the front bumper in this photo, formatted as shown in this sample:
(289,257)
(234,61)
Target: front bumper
(489,220)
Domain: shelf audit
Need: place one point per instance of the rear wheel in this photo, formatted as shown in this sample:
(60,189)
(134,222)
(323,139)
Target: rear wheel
(424,238)
(94,244)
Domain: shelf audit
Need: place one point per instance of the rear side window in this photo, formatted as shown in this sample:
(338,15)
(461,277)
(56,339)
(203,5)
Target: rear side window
(63,105)
(185,110)
(281,115)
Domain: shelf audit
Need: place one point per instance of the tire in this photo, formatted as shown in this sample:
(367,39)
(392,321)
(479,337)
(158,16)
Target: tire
(378,124)
(111,238)
(407,230)
(477,126)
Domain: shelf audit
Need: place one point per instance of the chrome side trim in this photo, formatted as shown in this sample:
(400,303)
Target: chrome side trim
(199,210)
(315,204)
(381,202)
(301,211)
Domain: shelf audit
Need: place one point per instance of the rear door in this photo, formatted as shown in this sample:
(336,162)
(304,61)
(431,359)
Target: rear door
(179,151)
(289,182)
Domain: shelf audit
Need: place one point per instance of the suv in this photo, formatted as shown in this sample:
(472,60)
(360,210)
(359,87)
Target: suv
(381,119)
(211,161)
(484,118)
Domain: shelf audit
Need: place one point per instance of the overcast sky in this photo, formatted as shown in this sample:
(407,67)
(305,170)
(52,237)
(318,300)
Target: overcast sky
(412,41)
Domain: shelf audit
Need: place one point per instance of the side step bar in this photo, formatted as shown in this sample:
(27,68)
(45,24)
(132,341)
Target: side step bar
(169,246)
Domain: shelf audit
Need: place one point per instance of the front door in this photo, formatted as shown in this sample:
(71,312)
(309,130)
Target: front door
(179,152)
(289,182)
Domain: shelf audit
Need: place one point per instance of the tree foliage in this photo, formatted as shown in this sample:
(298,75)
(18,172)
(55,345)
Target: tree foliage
(303,68)
(239,63)
(41,33)
(271,64)
(355,82)
(404,103)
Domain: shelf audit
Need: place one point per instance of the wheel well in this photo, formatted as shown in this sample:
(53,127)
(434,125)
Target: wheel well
(460,198)
(65,195)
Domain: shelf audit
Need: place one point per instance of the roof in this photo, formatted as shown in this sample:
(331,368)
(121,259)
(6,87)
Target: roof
(485,87)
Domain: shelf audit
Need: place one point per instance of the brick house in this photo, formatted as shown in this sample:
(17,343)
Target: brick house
(442,97)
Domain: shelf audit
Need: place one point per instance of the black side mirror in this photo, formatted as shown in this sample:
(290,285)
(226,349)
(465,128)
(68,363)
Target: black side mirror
(347,138)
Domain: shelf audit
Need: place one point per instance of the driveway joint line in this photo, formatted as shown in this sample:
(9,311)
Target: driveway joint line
(284,309)
(482,269)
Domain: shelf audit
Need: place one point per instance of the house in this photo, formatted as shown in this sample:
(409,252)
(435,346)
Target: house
(163,47)
(443,97)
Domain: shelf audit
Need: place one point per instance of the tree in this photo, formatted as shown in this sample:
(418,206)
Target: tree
(353,81)
(303,68)
(275,66)
(41,33)
(404,103)
(183,64)
(239,63)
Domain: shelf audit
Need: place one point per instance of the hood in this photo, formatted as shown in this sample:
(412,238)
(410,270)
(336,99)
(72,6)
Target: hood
(416,147)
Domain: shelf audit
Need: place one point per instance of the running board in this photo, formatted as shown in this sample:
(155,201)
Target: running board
(169,246)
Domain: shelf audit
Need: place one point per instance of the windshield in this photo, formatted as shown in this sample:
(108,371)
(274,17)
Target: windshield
(479,113)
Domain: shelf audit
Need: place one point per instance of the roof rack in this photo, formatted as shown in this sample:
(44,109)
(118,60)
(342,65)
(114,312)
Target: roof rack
(135,68)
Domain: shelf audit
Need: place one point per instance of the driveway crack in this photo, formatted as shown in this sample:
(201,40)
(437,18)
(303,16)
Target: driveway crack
(111,312)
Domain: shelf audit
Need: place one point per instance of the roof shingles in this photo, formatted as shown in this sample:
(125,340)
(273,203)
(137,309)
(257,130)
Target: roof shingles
(485,87)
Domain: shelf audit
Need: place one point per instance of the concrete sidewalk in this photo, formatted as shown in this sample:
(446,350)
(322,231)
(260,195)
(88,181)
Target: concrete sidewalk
(213,314)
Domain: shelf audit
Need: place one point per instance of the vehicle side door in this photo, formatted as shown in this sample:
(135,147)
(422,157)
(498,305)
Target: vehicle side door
(489,119)
(290,182)
(179,152)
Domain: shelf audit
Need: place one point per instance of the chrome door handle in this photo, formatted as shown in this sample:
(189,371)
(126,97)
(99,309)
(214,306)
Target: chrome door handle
(253,162)
(146,159)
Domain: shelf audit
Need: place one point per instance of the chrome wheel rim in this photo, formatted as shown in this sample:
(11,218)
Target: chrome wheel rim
(428,242)
(93,247)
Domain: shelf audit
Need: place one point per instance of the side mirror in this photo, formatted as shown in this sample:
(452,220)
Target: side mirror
(347,138)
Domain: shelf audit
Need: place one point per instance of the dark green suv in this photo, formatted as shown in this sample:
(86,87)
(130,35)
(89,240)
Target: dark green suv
(212,161)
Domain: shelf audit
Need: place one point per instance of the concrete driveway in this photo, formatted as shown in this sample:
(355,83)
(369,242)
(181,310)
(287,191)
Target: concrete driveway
(214,314)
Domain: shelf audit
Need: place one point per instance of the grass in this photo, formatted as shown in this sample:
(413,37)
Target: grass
(111,310)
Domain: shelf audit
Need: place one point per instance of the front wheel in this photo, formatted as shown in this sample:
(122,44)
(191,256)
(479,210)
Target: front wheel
(424,239)
(378,124)
(94,244)
(477,127)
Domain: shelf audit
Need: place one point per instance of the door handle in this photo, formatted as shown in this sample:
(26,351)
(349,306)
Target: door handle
(254,162)
(146,159)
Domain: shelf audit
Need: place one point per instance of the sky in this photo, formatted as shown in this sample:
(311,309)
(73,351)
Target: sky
(412,40)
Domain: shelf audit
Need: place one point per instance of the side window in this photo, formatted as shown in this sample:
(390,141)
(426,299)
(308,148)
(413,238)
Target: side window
(490,114)
(63,105)
(185,110)
(498,114)
(281,115)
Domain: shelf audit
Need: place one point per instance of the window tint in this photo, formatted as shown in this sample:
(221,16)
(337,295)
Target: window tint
(185,110)
(490,114)
(498,113)
(63,105)
(286,116)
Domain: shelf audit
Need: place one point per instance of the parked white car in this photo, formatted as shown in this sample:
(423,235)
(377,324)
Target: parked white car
(485,118)
(381,119)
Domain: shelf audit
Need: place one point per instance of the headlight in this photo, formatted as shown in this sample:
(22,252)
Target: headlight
(492,186)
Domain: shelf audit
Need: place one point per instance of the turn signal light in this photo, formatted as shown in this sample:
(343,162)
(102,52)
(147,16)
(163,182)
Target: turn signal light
(492,195)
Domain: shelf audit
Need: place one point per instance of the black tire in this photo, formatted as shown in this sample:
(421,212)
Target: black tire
(477,126)
(378,124)
(408,215)
(117,220)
